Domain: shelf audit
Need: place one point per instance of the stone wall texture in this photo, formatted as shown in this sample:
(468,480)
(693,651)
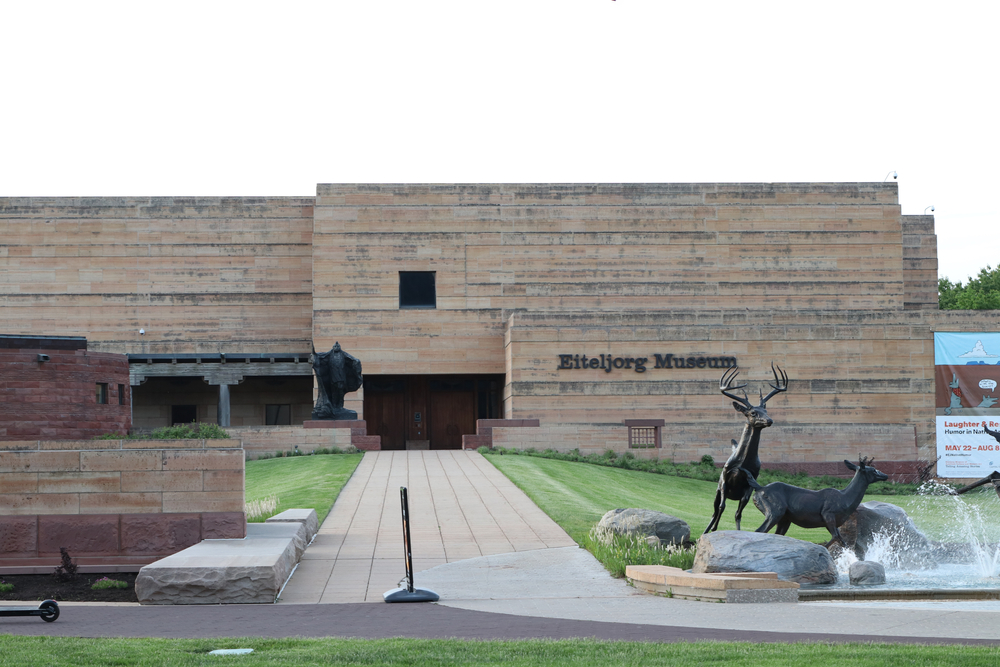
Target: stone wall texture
(116,502)
(196,274)
(57,399)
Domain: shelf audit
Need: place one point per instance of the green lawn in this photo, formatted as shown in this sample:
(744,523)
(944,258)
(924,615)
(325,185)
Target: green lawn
(301,482)
(576,495)
(75,652)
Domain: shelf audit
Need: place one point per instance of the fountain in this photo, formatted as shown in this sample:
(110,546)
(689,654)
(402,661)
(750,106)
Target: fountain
(962,558)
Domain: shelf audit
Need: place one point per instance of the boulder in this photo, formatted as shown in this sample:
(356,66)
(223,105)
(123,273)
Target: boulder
(866,573)
(742,551)
(646,523)
(907,546)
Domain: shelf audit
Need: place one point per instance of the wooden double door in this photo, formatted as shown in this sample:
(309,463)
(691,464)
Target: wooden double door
(429,411)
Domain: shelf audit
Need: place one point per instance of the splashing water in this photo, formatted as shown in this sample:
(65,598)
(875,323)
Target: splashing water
(963,549)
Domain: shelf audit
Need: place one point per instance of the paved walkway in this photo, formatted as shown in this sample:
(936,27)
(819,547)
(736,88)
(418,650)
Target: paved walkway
(461,507)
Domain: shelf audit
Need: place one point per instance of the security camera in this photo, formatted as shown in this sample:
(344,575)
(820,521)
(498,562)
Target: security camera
(142,332)
(895,175)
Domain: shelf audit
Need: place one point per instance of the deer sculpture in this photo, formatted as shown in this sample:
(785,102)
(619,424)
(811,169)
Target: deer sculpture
(784,504)
(732,482)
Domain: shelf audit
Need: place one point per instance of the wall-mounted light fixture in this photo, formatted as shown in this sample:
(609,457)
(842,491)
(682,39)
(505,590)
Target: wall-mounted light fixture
(42,358)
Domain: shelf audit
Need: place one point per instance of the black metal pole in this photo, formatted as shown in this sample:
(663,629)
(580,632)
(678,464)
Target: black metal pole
(408,594)
(407,550)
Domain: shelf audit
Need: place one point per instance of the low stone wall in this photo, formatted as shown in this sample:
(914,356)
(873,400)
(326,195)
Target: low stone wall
(309,437)
(817,449)
(116,504)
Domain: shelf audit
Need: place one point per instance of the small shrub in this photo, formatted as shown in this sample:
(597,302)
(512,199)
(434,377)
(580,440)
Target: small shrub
(5,587)
(193,431)
(261,508)
(350,449)
(707,460)
(66,571)
(482,450)
(618,551)
(104,583)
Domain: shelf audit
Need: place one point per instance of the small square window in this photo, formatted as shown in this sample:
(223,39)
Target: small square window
(644,433)
(277,415)
(102,393)
(417,290)
(642,437)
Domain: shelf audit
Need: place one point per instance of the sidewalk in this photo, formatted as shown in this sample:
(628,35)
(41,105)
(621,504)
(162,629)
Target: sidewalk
(461,507)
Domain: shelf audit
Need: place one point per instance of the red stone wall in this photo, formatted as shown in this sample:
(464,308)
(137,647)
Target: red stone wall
(115,504)
(57,399)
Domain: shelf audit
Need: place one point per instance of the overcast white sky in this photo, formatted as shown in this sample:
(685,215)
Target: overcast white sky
(213,98)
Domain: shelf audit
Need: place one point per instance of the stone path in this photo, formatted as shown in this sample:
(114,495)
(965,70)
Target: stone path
(461,507)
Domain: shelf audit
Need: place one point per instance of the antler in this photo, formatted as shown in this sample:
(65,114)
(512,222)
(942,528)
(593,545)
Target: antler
(725,384)
(865,461)
(780,383)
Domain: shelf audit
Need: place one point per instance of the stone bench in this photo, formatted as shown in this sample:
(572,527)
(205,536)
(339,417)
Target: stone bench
(307,518)
(715,587)
(251,570)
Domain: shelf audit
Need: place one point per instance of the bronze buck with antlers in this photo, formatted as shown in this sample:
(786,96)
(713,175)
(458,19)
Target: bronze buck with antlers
(732,481)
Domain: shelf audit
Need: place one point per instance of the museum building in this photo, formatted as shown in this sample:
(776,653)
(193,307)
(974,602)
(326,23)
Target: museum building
(587,317)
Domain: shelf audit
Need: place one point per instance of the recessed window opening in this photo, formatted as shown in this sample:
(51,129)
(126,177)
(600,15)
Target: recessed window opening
(417,289)
(102,393)
(183,414)
(278,415)
(121,394)
(642,437)
(644,433)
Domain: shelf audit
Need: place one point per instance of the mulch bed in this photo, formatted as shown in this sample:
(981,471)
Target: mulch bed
(46,587)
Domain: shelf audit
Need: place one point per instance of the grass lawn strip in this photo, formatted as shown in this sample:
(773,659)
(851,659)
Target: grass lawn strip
(577,495)
(62,651)
(300,482)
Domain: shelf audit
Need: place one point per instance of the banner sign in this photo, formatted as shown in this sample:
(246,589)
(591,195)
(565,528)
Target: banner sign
(966,375)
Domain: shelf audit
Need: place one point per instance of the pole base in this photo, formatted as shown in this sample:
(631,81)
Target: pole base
(403,595)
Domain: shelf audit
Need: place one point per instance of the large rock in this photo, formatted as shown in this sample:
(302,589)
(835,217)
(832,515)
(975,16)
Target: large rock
(646,523)
(742,551)
(907,546)
(866,573)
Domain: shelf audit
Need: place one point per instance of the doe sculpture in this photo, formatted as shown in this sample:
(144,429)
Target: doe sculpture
(732,483)
(783,504)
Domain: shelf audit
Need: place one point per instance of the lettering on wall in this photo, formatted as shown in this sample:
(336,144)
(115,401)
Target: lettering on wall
(608,362)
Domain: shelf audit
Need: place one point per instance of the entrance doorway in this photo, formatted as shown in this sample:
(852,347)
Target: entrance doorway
(429,411)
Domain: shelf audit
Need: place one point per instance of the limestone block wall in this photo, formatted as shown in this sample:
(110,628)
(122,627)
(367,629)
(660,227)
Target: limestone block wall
(197,274)
(920,265)
(497,249)
(116,503)
(259,440)
(860,381)
(309,437)
(58,398)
